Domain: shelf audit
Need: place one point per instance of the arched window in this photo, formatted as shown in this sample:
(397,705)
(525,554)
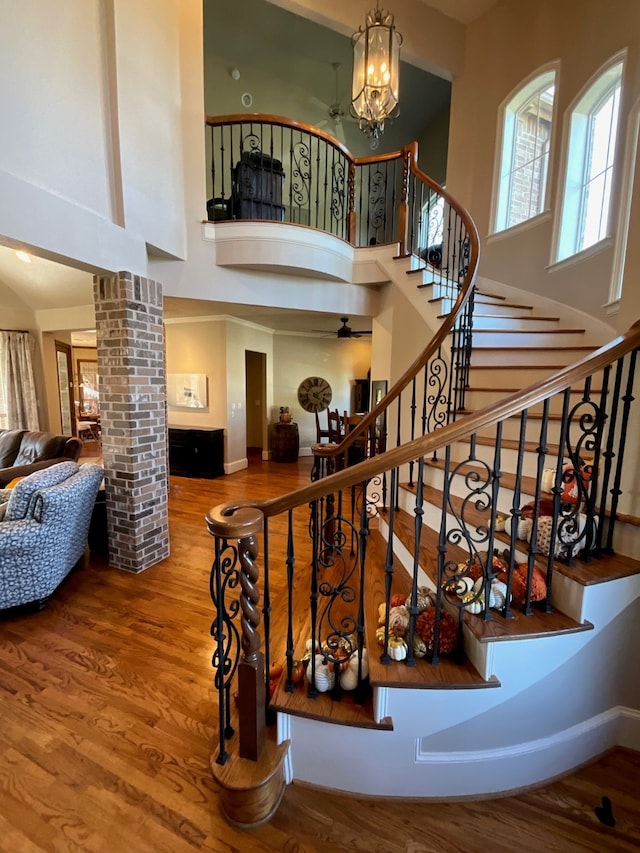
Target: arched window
(591,151)
(524,159)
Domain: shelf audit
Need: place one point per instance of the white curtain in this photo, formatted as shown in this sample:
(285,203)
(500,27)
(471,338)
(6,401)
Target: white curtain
(18,405)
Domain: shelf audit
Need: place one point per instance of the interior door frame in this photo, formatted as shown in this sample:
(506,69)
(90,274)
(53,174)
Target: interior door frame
(66,350)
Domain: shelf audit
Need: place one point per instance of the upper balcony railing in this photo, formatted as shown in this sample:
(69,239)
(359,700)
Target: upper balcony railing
(272,168)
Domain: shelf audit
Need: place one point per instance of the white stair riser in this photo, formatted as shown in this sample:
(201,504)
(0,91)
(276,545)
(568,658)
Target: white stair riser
(483,309)
(500,354)
(508,457)
(475,400)
(503,376)
(516,339)
(507,325)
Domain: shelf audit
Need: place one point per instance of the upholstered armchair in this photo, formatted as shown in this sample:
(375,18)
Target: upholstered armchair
(44,530)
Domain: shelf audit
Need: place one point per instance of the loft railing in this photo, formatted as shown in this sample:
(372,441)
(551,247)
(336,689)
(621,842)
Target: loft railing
(572,426)
(272,168)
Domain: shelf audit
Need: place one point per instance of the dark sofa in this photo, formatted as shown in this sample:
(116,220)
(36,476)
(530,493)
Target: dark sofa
(22,452)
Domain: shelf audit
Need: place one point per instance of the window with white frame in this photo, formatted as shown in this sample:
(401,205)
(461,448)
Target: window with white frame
(591,151)
(524,158)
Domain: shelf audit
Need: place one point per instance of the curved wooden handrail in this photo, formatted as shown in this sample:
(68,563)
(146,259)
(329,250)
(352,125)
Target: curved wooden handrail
(283,121)
(328,450)
(456,431)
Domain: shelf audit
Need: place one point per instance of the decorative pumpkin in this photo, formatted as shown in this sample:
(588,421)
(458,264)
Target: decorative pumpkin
(399,620)
(463,585)
(297,671)
(571,493)
(472,603)
(349,679)
(519,584)
(275,670)
(325,676)
(448,630)
(396,599)
(382,613)
(424,598)
(380,635)
(353,663)
(397,648)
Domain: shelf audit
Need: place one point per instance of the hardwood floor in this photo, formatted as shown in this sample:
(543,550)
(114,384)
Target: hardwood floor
(107,713)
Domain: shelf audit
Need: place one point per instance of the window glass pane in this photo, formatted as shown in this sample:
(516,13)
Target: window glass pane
(525,152)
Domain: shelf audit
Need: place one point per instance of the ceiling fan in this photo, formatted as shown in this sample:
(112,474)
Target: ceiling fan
(345,331)
(337,114)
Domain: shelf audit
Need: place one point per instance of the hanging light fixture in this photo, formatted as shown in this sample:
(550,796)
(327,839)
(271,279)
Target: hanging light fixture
(376,72)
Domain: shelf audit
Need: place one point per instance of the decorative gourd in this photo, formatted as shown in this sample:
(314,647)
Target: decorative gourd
(297,671)
(424,598)
(472,603)
(396,599)
(519,584)
(399,620)
(397,648)
(380,635)
(419,647)
(325,676)
(382,613)
(349,679)
(463,585)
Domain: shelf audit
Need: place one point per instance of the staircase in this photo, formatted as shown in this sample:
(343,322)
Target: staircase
(503,471)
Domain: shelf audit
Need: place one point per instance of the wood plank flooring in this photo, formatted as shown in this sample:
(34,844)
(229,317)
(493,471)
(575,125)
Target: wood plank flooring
(107,713)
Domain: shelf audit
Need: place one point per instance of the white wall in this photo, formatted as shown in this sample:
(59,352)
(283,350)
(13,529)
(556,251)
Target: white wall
(91,133)
(503,47)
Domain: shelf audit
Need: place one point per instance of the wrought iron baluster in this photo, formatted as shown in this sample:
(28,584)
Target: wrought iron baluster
(627,400)
(290,561)
(413,608)
(412,425)
(541,451)
(609,453)
(313,594)
(388,568)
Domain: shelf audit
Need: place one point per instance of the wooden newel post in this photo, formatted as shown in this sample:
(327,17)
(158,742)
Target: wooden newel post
(403,216)
(243,523)
(251,680)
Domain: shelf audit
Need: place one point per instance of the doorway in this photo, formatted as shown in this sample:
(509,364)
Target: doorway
(65,388)
(256,404)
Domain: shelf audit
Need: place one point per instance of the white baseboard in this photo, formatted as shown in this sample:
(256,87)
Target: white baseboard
(238,465)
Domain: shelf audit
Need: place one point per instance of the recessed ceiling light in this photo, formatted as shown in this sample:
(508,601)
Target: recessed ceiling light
(23,256)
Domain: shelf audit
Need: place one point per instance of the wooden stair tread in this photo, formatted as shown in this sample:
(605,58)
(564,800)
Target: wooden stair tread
(449,674)
(326,708)
(584,572)
(503,390)
(538,624)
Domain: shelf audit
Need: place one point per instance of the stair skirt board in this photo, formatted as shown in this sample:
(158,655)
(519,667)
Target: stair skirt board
(401,767)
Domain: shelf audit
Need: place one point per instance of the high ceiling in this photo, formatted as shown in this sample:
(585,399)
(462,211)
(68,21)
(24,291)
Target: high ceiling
(285,61)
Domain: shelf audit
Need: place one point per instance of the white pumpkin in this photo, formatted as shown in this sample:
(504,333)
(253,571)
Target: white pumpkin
(349,679)
(325,676)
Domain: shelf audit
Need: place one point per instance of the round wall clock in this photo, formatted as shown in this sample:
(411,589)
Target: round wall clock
(314,394)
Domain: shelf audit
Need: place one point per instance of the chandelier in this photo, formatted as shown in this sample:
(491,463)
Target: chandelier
(376,67)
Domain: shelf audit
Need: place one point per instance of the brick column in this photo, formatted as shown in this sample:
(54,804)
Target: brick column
(130,342)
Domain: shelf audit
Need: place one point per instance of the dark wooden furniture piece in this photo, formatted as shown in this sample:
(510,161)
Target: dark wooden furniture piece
(285,442)
(196,452)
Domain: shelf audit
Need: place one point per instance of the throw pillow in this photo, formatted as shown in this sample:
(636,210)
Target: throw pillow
(26,491)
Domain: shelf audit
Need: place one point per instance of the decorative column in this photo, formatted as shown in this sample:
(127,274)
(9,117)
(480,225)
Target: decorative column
(132,384)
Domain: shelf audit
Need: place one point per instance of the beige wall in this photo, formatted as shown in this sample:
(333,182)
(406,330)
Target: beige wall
(503,47)
(339,362)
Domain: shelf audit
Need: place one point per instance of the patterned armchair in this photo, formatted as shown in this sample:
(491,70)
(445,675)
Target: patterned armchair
(44,530)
